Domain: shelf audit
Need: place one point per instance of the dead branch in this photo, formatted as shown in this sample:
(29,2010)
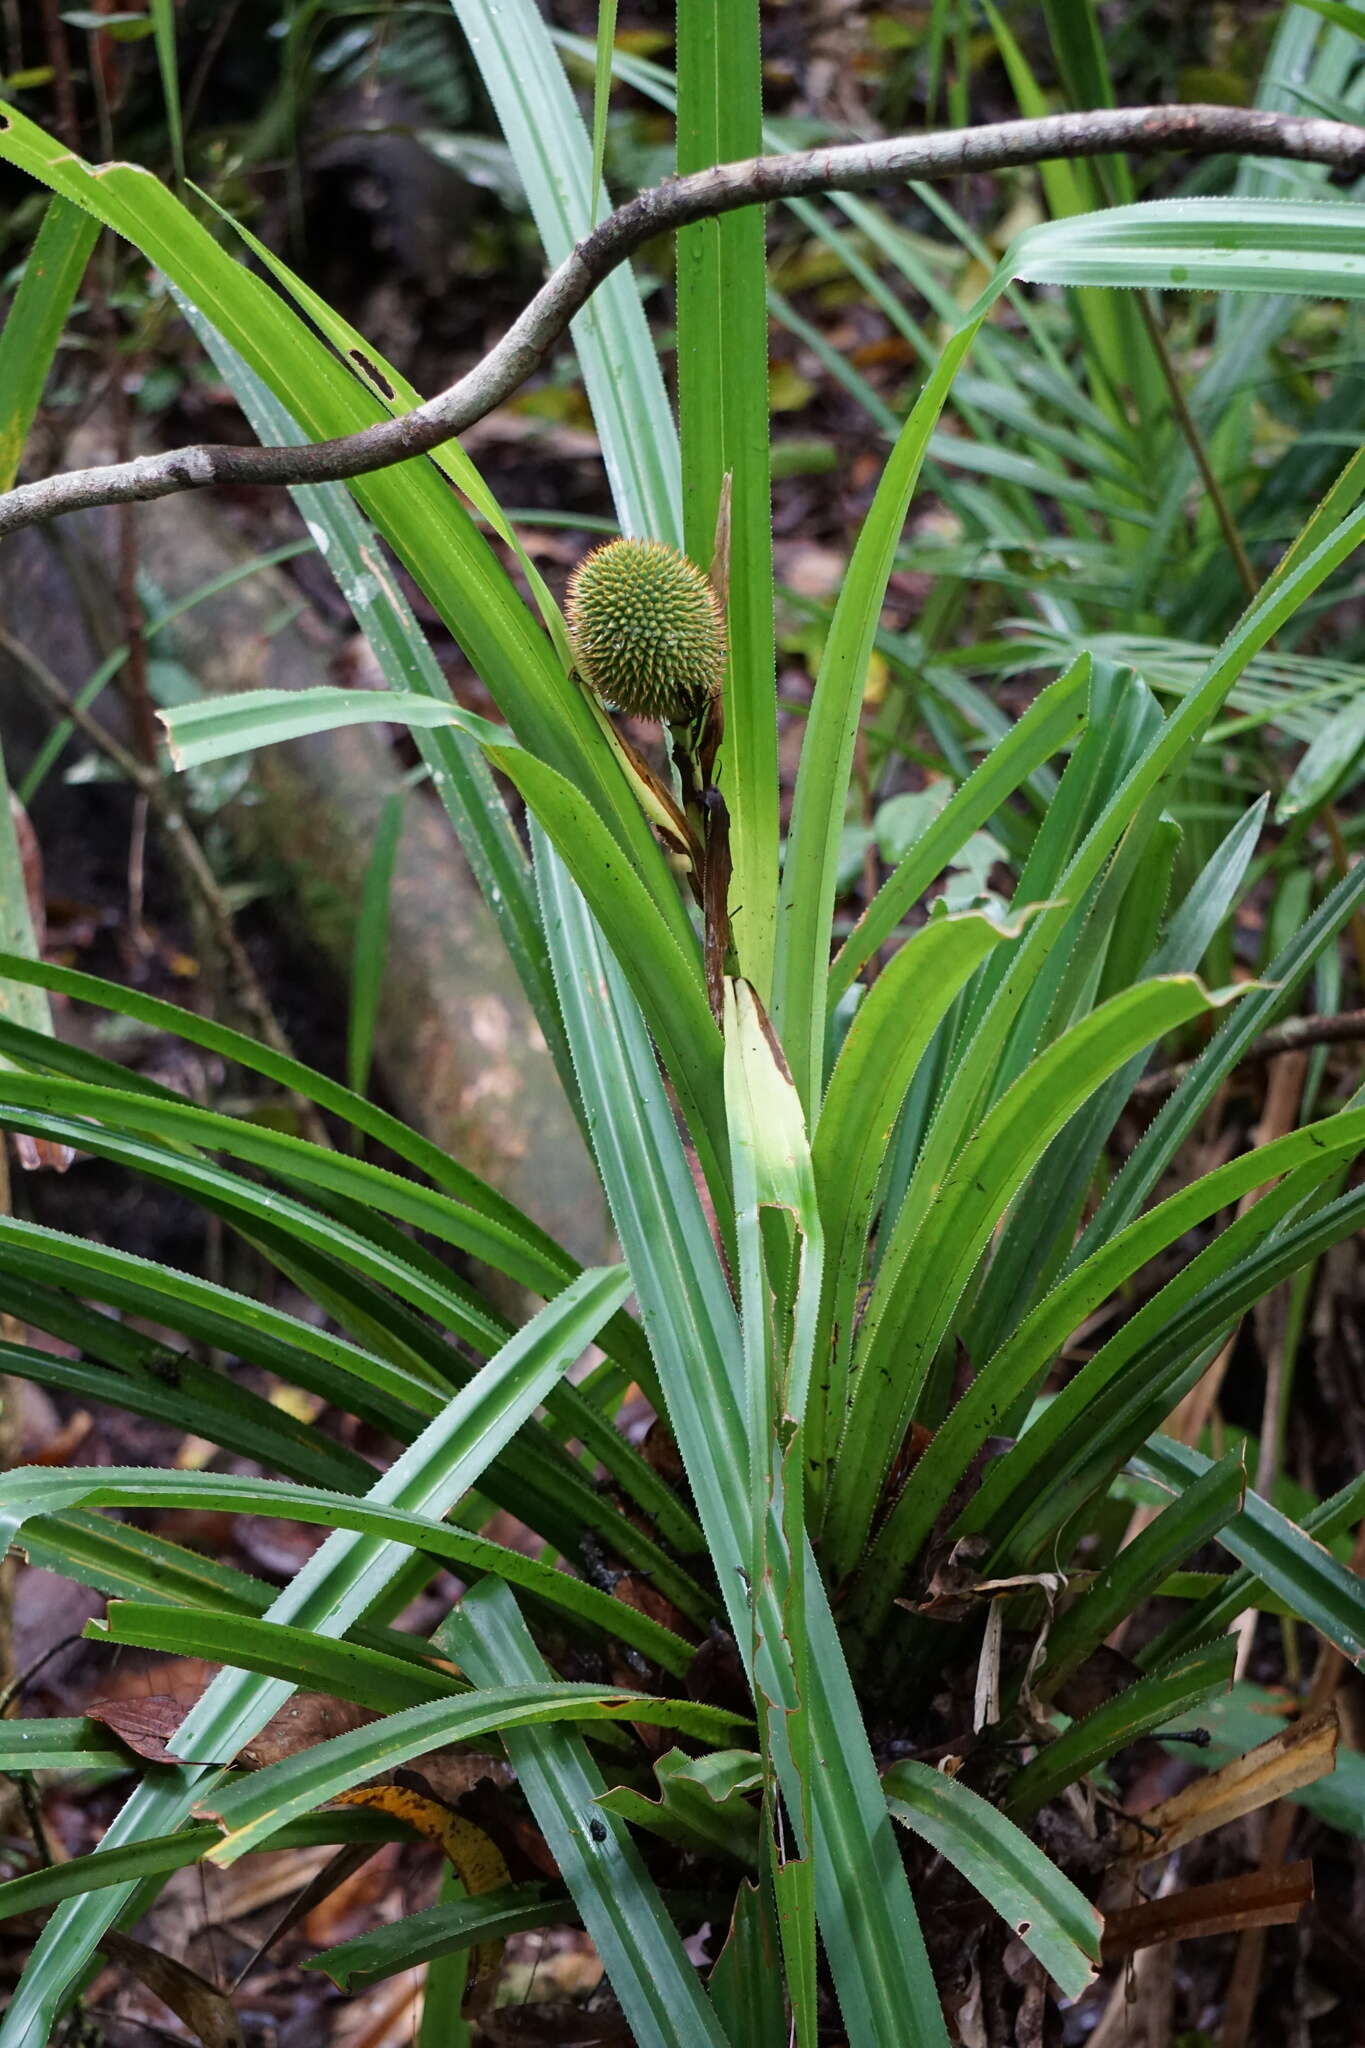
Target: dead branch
(678,203)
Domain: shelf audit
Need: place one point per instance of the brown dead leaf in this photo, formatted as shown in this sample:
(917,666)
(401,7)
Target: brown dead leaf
(146,1724)
(1258,1898)
(143,1725)
(179,1678)
(342,1899)
(473,1855)
(557,1966)
(258,1881)
(660,1452)
(306,1719)
(952,1590)
(451,1774)
(1291,1759)
(199,2005)
(635,1591)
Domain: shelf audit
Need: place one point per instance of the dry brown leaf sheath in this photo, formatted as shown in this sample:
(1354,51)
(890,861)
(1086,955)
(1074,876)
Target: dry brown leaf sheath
(1291,1759)
(1259,1898)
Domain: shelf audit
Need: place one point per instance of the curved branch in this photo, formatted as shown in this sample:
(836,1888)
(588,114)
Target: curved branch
(678,203)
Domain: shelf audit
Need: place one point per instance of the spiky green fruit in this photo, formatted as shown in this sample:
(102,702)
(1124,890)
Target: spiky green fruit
(647,630)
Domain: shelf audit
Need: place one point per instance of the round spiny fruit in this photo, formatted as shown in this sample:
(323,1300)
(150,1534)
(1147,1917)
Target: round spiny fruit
(646,629)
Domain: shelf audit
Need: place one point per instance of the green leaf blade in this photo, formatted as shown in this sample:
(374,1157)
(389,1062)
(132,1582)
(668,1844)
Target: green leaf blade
(1055,1920)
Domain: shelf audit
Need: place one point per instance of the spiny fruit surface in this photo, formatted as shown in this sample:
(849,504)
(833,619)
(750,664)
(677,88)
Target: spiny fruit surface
(646,629)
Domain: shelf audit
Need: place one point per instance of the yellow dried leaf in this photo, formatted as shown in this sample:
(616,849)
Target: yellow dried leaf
(476,1859)
(1293,1758)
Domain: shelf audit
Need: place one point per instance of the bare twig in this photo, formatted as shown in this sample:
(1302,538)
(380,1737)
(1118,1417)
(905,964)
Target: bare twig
(677,203)
(1194,440)
(1298,1035)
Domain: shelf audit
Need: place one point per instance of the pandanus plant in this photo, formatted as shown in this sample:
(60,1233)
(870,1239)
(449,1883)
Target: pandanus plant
(863,1575)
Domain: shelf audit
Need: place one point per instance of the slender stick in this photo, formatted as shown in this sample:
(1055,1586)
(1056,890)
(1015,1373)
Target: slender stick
(678,202)
(1346,1028)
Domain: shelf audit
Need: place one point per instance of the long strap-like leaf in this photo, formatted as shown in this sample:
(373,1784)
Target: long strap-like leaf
(871,1935)
(335,1588)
